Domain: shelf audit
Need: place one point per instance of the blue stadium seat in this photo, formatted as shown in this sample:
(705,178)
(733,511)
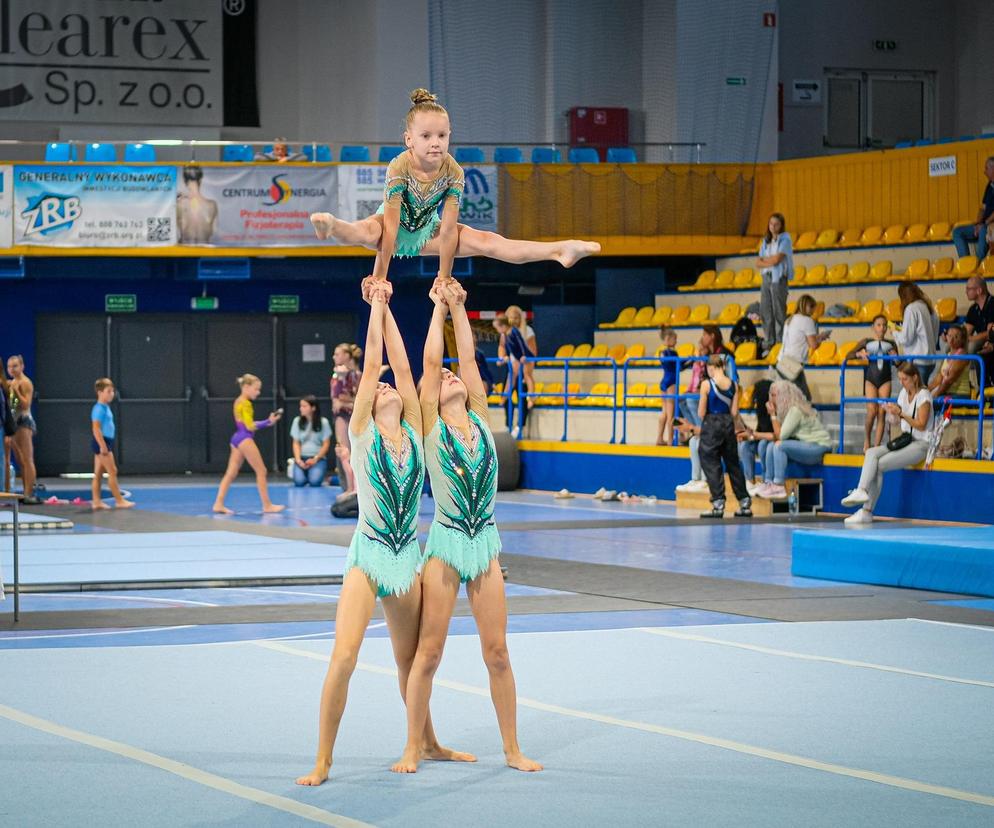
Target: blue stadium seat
(100,152)
(621,155)
(60,152)
(237,152)
(508,155)
(904,144)
(924,142)
(323,152)
(583,155)
(387,154)
(546,155)
(354,154)
(139,152)
(966,137)
(947,140)
(469,155)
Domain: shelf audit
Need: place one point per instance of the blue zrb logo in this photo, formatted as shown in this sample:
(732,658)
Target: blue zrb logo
(477,206)
(49,213)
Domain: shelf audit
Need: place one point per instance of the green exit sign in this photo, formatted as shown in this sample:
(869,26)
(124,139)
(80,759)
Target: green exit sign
(735,81)
(120,303)
(286,303)
(204,303)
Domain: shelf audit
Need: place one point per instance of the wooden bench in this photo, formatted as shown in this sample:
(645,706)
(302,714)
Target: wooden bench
(809,499)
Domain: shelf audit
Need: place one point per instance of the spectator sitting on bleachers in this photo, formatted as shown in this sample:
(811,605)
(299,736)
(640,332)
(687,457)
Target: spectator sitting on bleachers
(280,153)
(776,262)
(799,435)
(800,337)
(915,413)
(953,377)
(753,442)
(980,230)
(980,324)
(919,333)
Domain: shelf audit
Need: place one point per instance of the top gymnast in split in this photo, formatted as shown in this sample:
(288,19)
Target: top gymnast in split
(418,181)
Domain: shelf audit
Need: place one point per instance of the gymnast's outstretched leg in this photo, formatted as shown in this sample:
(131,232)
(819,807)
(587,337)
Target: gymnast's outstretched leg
(363,233)
(474,242)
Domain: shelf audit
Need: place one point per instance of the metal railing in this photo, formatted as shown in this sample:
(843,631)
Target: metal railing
(956,401)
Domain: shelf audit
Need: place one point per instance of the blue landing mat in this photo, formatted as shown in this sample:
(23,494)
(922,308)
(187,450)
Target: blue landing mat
(171,556)
(944,559)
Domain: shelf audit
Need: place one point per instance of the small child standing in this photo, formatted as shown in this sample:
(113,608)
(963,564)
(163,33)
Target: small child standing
(876,378)
(668,385)
(718,407)
(104,433)
(515,351)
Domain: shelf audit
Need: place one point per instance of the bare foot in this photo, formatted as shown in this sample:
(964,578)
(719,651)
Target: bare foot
(520,762)
(273,508)
(574,250)
(98,505)
(221,509)
(315,777)
(324,224)
(408,763)
(437,753)
(123,504)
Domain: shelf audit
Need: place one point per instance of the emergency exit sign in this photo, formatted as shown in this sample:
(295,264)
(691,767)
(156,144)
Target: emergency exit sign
(284,303)
(735,81)
(120,303)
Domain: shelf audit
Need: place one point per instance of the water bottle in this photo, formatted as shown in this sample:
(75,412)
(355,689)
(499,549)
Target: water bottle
(792,501)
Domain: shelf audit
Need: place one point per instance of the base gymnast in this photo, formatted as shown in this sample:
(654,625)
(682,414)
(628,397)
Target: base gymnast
(418,181)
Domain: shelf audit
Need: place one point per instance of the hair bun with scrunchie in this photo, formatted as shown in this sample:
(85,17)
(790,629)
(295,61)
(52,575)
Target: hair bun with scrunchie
(422,96)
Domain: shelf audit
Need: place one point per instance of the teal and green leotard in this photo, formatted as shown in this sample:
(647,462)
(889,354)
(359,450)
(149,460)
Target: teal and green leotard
(388,484)
(463,477)
(419,200)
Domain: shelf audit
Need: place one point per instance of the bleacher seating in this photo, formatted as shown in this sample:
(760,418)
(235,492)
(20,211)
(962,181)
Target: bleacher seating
(103,153)
(59,152)
(621,155)
(469,155)
(387,154)
(354,154)
(546,155)
(583,155)
(508,155)
(237,153)
(140,153)
(319,152)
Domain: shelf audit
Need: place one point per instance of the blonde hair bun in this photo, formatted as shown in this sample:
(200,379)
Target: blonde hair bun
(423,96)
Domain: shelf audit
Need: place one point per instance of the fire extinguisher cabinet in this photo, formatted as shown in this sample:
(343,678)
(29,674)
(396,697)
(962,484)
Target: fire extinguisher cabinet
(599,127)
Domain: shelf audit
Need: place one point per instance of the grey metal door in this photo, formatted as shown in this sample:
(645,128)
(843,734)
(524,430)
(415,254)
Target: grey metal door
(235,346)
(153,361)
(70,354)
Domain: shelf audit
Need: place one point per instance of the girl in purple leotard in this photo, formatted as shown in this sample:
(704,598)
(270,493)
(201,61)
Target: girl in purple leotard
(243,446)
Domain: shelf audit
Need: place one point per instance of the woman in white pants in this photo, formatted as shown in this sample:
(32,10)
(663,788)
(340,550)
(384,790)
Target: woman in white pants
(914,409)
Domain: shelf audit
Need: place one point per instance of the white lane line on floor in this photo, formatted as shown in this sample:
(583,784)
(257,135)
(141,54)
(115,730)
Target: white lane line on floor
(685,735)
(759,648)
(329,633)
(952,624)
(201,777)
(88,634)
(96,596)
(285,592)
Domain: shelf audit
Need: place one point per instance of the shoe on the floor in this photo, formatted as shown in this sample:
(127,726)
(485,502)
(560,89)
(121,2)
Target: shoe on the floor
(857,497)
(745,508)
(611,494)
(31,501)
(859,518)
(753,488)
(717,510)
(693,486)
(775,492)
(599,494)
(563,494)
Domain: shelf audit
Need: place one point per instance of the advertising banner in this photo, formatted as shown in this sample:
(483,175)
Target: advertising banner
(109,62)
(261,205)
(83,205)
(360,193)
(6,205)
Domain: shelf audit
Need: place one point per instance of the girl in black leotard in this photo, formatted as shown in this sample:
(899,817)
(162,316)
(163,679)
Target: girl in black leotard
(876,377)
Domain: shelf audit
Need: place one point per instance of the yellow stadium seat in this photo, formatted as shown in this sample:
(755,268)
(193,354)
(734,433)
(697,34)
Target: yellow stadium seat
(874,307)
(600,395)
(939,231)
(743,278)
(859,272)
(636,351)
(916,233)
(819,310)
(806,240)
(871,235)
(680,315)
(818,275)
(699,314)
(880,271)
(624,319)
(771,357)
(946,308)
(757,279)
(549,394)
(730,314)
(942,268)
(662,315)
(724,280)
(918,269)
(824,354)
(572,390)
(617,352)
(636,395)
(791,307)
(827,238)
(893,311)
(582,351)
(966,266)
(746,352)
(800,274)
(564,351)
(598,351)
(837,273)
(844,349)
(685,349)
(987,267)
(850,237)
(705,281)
(745,397)
(894,234)
(643,317)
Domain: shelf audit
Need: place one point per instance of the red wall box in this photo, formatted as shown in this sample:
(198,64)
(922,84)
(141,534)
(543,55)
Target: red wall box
(599,127)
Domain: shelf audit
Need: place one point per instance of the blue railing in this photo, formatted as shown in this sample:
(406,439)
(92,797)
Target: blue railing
(958,401)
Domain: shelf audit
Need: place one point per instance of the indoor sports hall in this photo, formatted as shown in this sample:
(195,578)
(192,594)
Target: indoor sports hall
(521,414)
